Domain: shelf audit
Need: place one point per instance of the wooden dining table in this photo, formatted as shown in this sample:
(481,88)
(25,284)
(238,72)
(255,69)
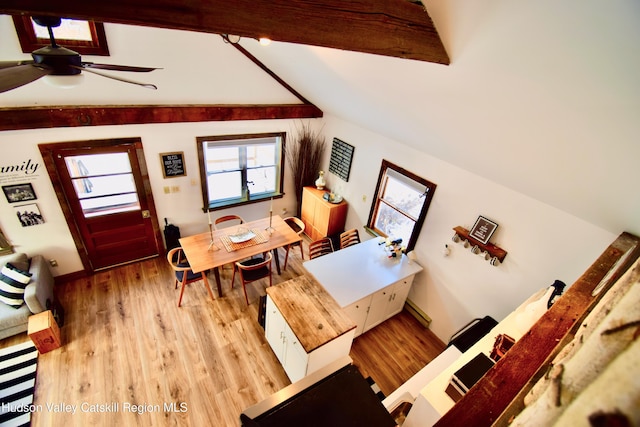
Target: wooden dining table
(270,233)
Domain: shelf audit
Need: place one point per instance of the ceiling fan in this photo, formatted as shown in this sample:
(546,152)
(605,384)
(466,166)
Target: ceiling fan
(56,60)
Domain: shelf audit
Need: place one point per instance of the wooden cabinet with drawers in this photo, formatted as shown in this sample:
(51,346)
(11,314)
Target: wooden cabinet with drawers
(321,218)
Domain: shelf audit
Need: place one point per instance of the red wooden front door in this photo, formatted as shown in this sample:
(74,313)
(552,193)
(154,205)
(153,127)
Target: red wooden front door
(104,189)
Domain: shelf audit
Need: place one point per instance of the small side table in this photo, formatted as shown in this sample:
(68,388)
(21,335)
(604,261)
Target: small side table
(44,332)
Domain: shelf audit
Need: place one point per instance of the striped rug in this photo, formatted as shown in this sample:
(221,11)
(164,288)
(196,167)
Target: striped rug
(17,383)
(375,388)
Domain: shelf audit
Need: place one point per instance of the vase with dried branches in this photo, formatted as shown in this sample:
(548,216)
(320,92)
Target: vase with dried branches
(304,154)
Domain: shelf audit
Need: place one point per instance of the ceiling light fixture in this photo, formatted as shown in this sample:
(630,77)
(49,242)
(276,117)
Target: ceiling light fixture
(264,41)
(64,82)
(231,38)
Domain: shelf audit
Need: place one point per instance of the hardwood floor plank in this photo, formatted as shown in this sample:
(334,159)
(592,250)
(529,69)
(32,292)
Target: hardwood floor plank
(395,350)
(126,341)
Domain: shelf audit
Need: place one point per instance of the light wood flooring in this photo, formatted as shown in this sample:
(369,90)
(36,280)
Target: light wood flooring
(130,353)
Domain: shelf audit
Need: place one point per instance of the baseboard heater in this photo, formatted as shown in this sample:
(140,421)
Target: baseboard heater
(416,312)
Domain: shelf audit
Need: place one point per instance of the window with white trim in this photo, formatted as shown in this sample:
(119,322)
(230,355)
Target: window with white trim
(400,205)
(240,169)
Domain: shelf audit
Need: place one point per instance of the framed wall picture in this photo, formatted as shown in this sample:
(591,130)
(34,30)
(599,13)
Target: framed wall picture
(29,215)
(173,164)
(483,229)
(84,37)
(19,192)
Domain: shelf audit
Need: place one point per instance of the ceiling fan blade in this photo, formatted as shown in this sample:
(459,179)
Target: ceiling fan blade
(147,85)
(112,67)
(8,64)
(13,77)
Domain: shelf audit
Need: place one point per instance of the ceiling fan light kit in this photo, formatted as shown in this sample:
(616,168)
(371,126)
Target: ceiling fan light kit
(60,66)
(64,82)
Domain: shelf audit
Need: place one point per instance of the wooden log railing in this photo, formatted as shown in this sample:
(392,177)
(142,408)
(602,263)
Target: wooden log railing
(499,394)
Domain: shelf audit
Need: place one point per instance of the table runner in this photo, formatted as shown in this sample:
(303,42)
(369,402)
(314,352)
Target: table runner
(261,237)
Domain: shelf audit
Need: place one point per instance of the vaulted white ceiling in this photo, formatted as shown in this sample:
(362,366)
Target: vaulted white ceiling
(542,97)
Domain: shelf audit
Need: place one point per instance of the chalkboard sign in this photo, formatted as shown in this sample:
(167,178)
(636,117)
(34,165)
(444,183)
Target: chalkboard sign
(341,156)
(173,164)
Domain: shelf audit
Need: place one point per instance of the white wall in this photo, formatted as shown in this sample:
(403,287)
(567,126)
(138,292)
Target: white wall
(557,108)
(543,243)
(183,208)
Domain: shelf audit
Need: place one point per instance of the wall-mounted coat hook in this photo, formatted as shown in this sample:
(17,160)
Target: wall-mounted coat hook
(490,252)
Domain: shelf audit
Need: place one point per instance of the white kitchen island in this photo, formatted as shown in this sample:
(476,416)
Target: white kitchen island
(368,285)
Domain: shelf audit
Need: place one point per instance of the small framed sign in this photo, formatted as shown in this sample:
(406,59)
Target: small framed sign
(173,164)
(341,157)
(483,229)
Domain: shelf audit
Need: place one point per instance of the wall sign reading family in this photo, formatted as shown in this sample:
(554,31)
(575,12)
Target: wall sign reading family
(173,164)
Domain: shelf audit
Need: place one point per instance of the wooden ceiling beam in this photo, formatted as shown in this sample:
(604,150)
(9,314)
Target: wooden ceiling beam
(397,28)
(19,118)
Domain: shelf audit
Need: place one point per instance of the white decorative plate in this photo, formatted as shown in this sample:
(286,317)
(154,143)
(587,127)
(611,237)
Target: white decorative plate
(242,237)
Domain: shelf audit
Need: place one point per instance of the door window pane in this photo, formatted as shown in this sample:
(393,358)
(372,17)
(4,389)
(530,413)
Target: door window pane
(109,205)
(98,164)
(104,183)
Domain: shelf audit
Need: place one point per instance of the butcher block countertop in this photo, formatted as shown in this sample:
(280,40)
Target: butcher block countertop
(312,314)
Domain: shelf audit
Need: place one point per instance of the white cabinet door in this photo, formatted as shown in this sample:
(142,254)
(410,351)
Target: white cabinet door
(284,343)
(295,357)
(358,313)
(398,296)
(378,308)
(274,330)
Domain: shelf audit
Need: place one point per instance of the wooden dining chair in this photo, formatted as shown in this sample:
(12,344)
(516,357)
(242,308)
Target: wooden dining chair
(320,247)
(296,225)
(228,221)
(349,237)
(251,270)
(225,222)
(183,273)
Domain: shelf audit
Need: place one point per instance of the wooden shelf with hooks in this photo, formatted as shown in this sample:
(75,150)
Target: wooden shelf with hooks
(495,252)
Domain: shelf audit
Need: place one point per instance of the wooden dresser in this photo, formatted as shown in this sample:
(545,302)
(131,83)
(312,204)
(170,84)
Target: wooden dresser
(321,218)
(305,327)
